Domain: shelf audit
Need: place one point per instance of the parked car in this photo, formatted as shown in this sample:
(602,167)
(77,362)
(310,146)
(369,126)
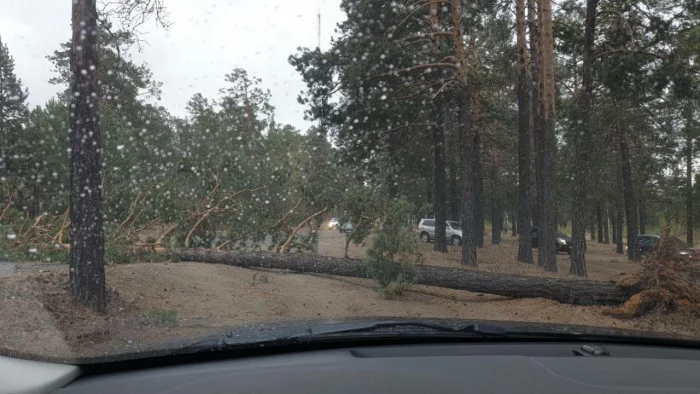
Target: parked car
(345,228)
(563,241)
(333,224)
(647,243)
(453,231)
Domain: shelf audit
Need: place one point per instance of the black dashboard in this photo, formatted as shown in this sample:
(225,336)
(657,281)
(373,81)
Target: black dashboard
(431,368)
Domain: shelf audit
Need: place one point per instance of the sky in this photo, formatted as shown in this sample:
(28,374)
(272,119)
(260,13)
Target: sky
(207,39)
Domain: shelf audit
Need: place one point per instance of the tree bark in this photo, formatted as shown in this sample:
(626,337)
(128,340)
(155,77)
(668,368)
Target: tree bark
(579,292)
(548,144)
(440,201)
(599,220)
(642,211)
(496,219)
(524,160)
(453,191)
(466,138)
(469,243)
(592,223)
(628,192)
(496,203)
(690,221)
(613,222)
(478,189)
(514,224)
(619,247)
(535,217)
(606,234)
(86,274)
(536,118)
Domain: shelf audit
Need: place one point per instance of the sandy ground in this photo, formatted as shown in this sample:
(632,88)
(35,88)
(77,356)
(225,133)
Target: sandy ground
(155,302)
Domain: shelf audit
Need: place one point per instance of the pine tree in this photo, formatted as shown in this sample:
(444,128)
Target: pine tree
(87,272)
(13,110)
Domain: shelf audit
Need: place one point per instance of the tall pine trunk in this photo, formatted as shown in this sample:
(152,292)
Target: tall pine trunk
(469,244)
(619,247)
(548,144)
(439,202)
(613,221)
(87,273)
(478,189)
(606,221)
(642,211)
(524,160)
(582,138)
(599,220)
(536,125)
(453,192)
(628,192)
(467,140)
(689,220)
(496,219)
(504,227)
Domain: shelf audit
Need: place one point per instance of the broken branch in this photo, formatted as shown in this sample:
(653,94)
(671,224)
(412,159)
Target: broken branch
(297,228)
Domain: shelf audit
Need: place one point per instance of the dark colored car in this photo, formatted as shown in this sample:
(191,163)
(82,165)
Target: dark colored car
(647,243)
(345,227)
(563,241)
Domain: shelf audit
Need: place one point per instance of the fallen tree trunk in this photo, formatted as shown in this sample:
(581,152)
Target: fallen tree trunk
(579,292)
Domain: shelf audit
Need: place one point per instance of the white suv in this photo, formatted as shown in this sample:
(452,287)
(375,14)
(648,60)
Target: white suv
(453,231)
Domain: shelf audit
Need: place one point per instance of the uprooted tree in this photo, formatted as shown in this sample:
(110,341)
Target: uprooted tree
(667,280)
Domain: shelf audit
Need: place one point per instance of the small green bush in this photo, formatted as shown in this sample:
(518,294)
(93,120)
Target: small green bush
(164,317)
(394,254)
(118,253)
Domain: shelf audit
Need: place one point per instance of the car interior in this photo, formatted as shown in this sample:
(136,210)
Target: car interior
(498,367)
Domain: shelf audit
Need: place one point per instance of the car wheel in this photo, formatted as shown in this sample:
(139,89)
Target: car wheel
(424,237)
(456,241)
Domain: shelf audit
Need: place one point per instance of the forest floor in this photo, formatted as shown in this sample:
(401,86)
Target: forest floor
(602,262)
(155,303)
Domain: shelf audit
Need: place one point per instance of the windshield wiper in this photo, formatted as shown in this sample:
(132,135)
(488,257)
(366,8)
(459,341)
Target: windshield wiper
(418,327)
(316,333)
(387,330)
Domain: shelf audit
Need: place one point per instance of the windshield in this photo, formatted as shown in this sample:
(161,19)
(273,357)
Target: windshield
(166,165)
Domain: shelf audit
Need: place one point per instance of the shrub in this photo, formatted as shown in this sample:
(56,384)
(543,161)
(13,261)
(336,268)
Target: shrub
(394,254)
(164,317)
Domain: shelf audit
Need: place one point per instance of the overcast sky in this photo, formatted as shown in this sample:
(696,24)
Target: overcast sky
(207,39)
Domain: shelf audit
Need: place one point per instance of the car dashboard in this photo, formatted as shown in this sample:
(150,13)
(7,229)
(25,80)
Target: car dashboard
(422,368)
